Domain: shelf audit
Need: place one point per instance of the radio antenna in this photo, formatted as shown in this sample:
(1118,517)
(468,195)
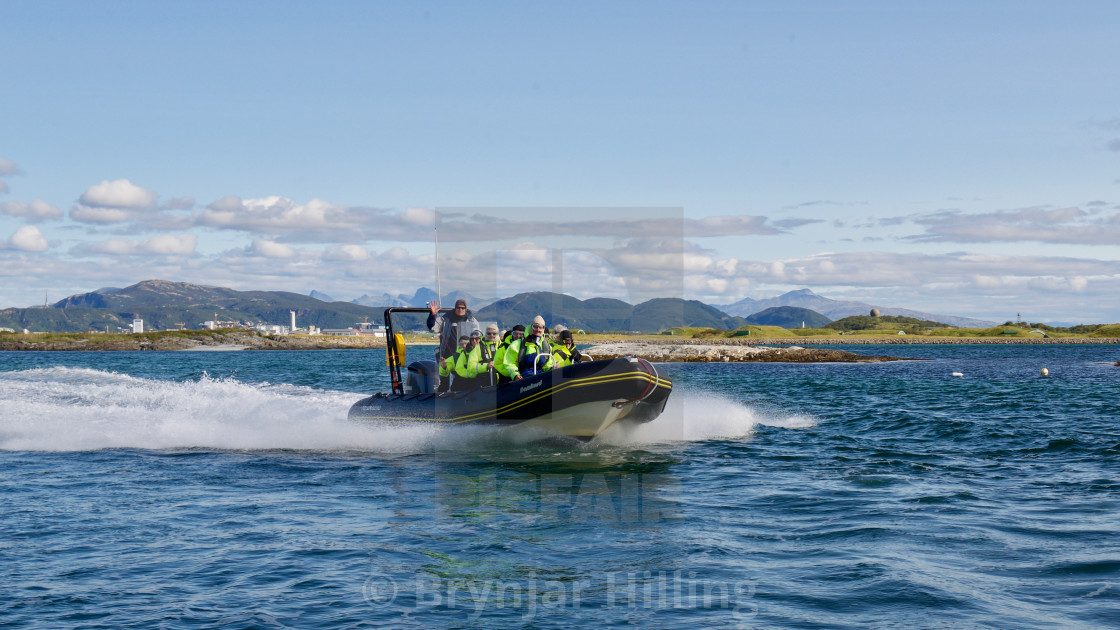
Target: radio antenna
(439,293)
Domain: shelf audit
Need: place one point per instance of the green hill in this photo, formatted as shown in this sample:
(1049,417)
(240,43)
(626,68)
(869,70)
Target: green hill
(593,315)
(885,322)
(164,305)
(789,317)
(604,314)
(663,313)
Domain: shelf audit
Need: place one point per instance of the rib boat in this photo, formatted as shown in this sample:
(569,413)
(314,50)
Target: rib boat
(579,400)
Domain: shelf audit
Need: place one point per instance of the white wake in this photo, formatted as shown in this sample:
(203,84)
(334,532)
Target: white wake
(79,409)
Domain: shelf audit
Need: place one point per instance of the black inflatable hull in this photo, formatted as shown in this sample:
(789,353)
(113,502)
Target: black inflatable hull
(579,400)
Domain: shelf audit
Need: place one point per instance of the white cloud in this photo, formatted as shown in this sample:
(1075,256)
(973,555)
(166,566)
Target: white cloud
(886,269)
(347,252)
(642,268)
(4,187)
(1076,284)
(179,203)
(28,239)
(651,255)
(495,224)
(87,214)
(278,215)
(986,282)
(34,211)
(321,221)
(8,168)
(170,245)
(1043,225)
(119,193)
(983,285)
(395,254)
(727,226)
(164,245)
(271,249)
(418,216)
(114,246)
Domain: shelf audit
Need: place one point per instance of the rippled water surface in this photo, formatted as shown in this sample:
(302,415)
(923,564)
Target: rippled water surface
(227,489)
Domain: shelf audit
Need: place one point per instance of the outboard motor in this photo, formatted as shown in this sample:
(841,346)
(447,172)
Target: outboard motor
(422,377)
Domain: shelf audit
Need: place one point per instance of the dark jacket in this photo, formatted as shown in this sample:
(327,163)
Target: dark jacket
(450,327)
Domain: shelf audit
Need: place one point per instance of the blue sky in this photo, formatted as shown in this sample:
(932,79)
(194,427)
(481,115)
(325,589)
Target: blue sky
(951,157)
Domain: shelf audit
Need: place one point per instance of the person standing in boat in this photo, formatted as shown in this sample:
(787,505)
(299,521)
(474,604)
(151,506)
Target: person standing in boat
(516,333)
(449,327)
(533,354)
(565,351)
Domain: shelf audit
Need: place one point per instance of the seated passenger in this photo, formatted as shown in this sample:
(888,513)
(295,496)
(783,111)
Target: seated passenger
(483,368)
(467,363)
(531,355)
(447,366)
(500,354)
(565,351)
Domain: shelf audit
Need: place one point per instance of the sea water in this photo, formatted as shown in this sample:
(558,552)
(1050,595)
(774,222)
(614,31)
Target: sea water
(228,490)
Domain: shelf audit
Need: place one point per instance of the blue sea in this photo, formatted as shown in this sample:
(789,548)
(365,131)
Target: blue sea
(228,490)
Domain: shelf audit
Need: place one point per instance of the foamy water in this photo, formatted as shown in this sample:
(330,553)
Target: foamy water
(78,409)
(700,416)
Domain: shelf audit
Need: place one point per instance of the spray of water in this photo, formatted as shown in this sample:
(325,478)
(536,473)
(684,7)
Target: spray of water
(698,416)
(77,409)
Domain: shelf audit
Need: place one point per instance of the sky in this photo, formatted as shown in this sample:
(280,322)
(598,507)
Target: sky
(949,157)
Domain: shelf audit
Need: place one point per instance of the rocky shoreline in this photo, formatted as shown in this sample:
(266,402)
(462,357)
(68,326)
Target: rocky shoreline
(830,341)
(716,353)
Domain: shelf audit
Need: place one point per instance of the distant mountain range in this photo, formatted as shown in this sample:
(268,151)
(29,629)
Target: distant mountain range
(420,299)
(836,309)
(598,314)
(163,305)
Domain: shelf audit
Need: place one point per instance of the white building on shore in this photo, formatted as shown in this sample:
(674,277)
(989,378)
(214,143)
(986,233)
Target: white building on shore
(366,328)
